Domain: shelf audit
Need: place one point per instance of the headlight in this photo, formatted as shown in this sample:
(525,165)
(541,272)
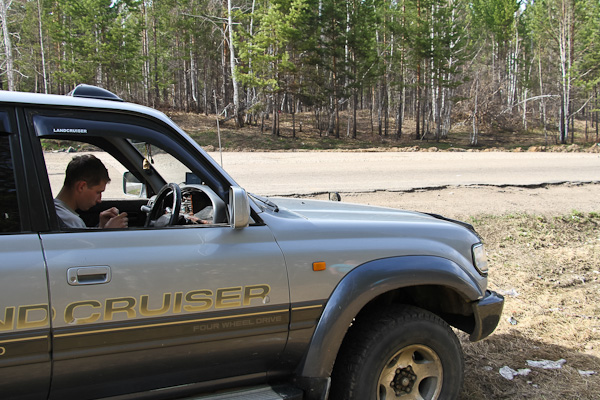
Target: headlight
(480,258)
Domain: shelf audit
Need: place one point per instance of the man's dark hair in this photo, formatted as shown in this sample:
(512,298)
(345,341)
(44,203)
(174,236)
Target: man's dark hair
(86,168)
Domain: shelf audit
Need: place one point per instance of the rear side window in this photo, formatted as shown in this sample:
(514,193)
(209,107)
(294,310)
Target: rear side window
(9,207)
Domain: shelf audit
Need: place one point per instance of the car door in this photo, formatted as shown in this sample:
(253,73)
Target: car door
(141,308)
(24,311)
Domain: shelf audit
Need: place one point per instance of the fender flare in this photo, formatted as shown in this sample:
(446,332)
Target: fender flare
(363,284)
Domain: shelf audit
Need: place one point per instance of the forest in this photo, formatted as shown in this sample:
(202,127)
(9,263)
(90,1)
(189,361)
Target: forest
(415,66)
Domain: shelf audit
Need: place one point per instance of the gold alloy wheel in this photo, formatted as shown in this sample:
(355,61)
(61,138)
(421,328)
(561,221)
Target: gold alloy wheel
(414,372)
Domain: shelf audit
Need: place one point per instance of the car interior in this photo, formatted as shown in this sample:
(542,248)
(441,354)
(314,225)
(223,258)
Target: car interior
(137,187)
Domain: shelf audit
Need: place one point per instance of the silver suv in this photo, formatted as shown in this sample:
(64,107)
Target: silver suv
(211,289)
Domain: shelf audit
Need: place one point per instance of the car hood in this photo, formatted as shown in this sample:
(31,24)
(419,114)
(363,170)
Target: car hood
(338,211)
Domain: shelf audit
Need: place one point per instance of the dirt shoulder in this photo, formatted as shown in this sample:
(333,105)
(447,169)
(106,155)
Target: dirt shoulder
(548,269)
(470,201)
(543,245)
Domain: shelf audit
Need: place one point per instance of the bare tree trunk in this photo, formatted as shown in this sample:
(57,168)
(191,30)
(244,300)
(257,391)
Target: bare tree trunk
(293,110)
(543,100)
(418,88)
(156,98)
(205,93)
(400,111)
(275,128)
(379,112)
(146,58)
(525,92)
(475,133)
(251,92)
(336,105)
(318,120)
(371,109)
(386,106)
(332,122)
(597,114)
(354,112)
(193,79)
(10,76)
(438,113)
(425,110)
(586,124)
(348,123)
(447,114)
(42,51)
(565,54)
(236,97)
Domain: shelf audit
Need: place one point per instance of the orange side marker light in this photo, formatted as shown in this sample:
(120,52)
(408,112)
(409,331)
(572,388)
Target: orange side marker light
(319,266)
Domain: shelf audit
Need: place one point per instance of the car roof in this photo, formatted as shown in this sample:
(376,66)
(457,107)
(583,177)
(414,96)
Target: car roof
(23,98)
(84,103)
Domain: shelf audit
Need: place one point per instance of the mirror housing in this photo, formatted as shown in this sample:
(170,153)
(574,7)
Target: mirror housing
(239,207)
(132,185)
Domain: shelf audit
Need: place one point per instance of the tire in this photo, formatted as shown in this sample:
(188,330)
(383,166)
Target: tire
(402,353)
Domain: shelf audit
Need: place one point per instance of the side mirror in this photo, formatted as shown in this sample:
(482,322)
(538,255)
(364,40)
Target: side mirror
(239,208)
(132,186)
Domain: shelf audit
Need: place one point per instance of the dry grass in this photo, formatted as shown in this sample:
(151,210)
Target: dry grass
(251,138)
(549,269)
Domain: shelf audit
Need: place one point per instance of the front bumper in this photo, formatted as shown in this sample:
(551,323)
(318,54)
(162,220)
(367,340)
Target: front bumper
(487,312)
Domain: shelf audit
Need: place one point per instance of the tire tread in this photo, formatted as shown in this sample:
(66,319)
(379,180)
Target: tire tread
(356,349)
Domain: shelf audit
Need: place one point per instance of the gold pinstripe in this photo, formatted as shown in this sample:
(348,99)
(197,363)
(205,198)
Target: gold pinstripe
(125,328)
(306,307)
(24,339)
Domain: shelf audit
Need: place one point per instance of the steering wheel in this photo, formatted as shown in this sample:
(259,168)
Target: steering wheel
(158,215)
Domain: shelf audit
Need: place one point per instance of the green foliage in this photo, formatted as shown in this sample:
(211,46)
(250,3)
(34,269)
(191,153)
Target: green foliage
(100,41)
(588,66)
(497,17)
(270,54)
(398,59)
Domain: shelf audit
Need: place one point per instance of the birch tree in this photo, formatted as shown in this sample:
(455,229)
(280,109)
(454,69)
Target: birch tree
(398,58)
(496,20)
(563,22)
(232,61)
(8,62)
(42,46)
(363,63)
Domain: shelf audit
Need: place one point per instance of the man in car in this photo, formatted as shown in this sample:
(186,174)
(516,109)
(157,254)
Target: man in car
(85,180)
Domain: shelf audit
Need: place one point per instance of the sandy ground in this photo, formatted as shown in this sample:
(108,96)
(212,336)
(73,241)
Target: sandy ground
(465,201)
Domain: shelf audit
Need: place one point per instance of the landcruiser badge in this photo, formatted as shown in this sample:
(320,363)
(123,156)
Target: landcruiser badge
(69,130)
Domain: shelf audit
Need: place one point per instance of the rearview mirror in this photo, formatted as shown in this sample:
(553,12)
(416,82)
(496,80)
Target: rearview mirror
(239,208)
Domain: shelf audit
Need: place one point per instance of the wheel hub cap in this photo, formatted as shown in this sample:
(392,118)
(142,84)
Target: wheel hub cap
(403,381)
(414,372)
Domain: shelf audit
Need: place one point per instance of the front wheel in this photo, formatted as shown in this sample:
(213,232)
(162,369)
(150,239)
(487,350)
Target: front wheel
(399,353)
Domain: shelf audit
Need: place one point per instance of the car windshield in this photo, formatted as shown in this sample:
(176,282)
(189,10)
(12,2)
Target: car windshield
(167,166)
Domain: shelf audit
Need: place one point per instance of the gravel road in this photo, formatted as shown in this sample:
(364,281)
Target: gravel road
(453,184)
(314,172)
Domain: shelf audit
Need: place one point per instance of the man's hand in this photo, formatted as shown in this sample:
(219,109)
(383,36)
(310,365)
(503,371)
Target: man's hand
(112,219)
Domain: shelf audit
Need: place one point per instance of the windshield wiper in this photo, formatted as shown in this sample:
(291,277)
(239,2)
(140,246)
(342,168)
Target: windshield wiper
(265,201)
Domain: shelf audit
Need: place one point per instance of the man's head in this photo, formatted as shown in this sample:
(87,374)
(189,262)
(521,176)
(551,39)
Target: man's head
(86,178)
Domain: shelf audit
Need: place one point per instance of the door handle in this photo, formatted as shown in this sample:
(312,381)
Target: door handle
(88,275)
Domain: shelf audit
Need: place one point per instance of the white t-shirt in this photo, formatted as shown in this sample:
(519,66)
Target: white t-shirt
(67,218)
